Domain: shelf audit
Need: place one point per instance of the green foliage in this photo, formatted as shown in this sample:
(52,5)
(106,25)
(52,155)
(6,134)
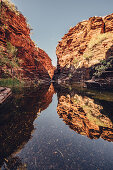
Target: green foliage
(75,62)
(9,82)
(11,49)
(9,58)
(88,55)
(98,39)
(4,27)
(0,6)
(69,75)
(96,120)
(8,61)
(103,66)
(4,61)
(11,6)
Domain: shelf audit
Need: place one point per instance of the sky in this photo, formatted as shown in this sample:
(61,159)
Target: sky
(51,19)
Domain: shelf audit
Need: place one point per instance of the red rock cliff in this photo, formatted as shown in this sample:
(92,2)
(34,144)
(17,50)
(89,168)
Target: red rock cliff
(87,43)
(86,53)
(33,62)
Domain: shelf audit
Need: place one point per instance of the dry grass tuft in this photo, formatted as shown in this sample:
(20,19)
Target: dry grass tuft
(11,6)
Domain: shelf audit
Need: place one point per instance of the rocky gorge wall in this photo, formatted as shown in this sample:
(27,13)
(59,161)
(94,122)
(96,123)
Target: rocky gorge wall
(83,48)
(20,57)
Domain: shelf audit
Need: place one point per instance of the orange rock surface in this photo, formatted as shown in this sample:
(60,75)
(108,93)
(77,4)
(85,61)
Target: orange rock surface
(34,62)
(87,43)
(85,117)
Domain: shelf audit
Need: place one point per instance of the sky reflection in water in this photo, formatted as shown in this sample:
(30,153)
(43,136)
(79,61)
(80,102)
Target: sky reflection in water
(32,135)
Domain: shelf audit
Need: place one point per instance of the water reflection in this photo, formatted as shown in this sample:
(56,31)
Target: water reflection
(53,145)
(14,163)
(85,115)
(16,121)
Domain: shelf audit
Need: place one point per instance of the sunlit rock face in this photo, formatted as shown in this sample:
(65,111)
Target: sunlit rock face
(17,117)
(90,36)
(32,63)
(85,117)
(84,47)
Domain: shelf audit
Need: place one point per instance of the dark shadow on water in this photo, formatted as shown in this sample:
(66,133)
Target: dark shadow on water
(17,117)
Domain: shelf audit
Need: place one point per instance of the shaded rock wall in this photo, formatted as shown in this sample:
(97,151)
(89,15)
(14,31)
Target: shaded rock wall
(33,62)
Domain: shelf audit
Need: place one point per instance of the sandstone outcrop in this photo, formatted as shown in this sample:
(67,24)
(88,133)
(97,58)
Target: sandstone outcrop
(85,117)
(84,47)
(20,57)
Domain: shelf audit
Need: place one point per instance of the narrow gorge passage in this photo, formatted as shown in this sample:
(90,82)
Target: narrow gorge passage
(56,116)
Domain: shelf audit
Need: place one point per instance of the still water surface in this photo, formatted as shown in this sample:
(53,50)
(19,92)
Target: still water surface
(67,129)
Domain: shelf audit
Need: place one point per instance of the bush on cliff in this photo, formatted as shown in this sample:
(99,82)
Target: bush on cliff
(8,56)
(103,66)
(88,55)
(98,39)
(11,6)
(9,62)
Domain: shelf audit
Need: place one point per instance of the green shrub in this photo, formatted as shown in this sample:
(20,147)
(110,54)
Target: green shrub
(75,62)
(103,66)
(0,6)
(69,75)
(12,50)
(98,39)
(88,55)
(11,6)
(96,120)
(9,57)
(9,82)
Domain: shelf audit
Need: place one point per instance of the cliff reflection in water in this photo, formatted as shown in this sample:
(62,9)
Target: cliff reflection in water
(86,116)
(16,121)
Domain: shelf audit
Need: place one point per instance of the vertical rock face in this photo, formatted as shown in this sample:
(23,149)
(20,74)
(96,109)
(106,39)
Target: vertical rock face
(86,45)
(94,35)
(32,63)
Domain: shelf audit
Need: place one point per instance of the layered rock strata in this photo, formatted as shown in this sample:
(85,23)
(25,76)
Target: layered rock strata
(20,57)
(84,47)
(85,117)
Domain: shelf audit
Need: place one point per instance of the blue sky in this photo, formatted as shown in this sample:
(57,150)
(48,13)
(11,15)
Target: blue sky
(51,19)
